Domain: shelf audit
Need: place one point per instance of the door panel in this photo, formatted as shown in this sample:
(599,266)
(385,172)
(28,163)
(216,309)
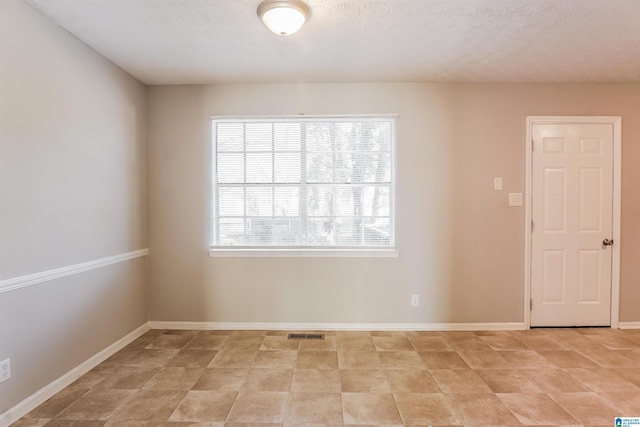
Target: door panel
(554,278)
(572,208)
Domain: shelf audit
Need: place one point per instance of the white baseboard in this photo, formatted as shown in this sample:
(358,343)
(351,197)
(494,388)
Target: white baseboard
(339,326)
(48,391)
(629,325)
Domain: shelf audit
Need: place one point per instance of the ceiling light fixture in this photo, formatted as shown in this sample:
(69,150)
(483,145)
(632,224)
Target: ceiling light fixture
(283,17)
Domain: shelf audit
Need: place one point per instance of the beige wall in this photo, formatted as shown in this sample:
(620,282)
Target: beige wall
(72,189)
(461,247)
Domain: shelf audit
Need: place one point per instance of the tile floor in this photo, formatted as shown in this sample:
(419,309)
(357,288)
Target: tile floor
(259,378)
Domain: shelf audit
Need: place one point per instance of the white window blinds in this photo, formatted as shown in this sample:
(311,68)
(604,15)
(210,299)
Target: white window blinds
(303,182)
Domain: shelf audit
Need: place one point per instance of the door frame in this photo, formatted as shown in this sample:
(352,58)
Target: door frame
(616,121)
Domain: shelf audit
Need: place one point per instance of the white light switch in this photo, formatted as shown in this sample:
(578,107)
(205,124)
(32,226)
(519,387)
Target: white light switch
(497,184)
(515,199)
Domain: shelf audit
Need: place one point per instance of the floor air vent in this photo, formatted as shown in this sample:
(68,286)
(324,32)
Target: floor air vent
(306,336)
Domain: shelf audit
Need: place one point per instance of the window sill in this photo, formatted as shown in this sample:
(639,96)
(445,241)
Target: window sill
(303,253)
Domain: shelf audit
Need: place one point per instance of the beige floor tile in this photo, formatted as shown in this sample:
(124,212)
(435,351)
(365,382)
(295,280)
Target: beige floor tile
(258,407)
(142,341)
(364,381)
(243,425)
(170,342)
(97,405)
(463,334)
(443,360)
(278,359)
(353,334)
(155,332)
(541,343)
(527,359)
(282,333)
(568,359)
(392,343)
(116,423)
(174,379)
(631,375)
(243,343)
(563,333)
(593,331)
(576,342)
(633,337)
(271,379)
(602,380)
(460,381)
(192,358)
(370,408)
(556,381)
(469,342)
(207,342)
(182,332)
(151,358)
(316,381)
(588,408)
(610,358)
(129,377)
(401,360)
(58,403)
(492,333)
(249,333)
(327,344)
(632,354)
(149,405)
(536,408)
(274,342)
(359,360)
(508,381)
(204,406)
(614,342)
(31,422)
(424,334)
(354,343)
(504,343)
(388,334)
(317,360)
(122,356)
(314,408)
(625,402)
(483,360)
(481,409)
(222,379)
(425,409)
(421,343)
(233,359)
(94,376)
(589,372)
(411,381)
(75,423)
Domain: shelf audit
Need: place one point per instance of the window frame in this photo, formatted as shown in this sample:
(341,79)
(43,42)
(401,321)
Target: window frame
(390,251)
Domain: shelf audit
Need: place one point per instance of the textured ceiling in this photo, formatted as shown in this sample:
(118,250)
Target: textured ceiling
(223,41)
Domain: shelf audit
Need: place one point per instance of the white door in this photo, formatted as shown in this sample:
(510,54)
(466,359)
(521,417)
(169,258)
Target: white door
(572,212)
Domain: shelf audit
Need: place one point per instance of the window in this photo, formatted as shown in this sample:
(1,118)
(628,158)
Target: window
(303,183)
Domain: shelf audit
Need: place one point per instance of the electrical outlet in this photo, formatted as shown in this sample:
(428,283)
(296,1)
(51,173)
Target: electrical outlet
(5,370)
(515,199)
(415,300)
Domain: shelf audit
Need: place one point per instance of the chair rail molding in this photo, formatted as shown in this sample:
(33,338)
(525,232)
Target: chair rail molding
(19,282)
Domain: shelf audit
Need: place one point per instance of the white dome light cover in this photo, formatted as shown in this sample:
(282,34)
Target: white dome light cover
(283,17)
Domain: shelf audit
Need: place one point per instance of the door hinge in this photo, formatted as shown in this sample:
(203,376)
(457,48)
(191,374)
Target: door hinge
(531,304)
(531,225)
(533,145)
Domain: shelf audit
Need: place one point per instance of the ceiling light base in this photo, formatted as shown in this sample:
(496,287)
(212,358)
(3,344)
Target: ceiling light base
(283,17)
